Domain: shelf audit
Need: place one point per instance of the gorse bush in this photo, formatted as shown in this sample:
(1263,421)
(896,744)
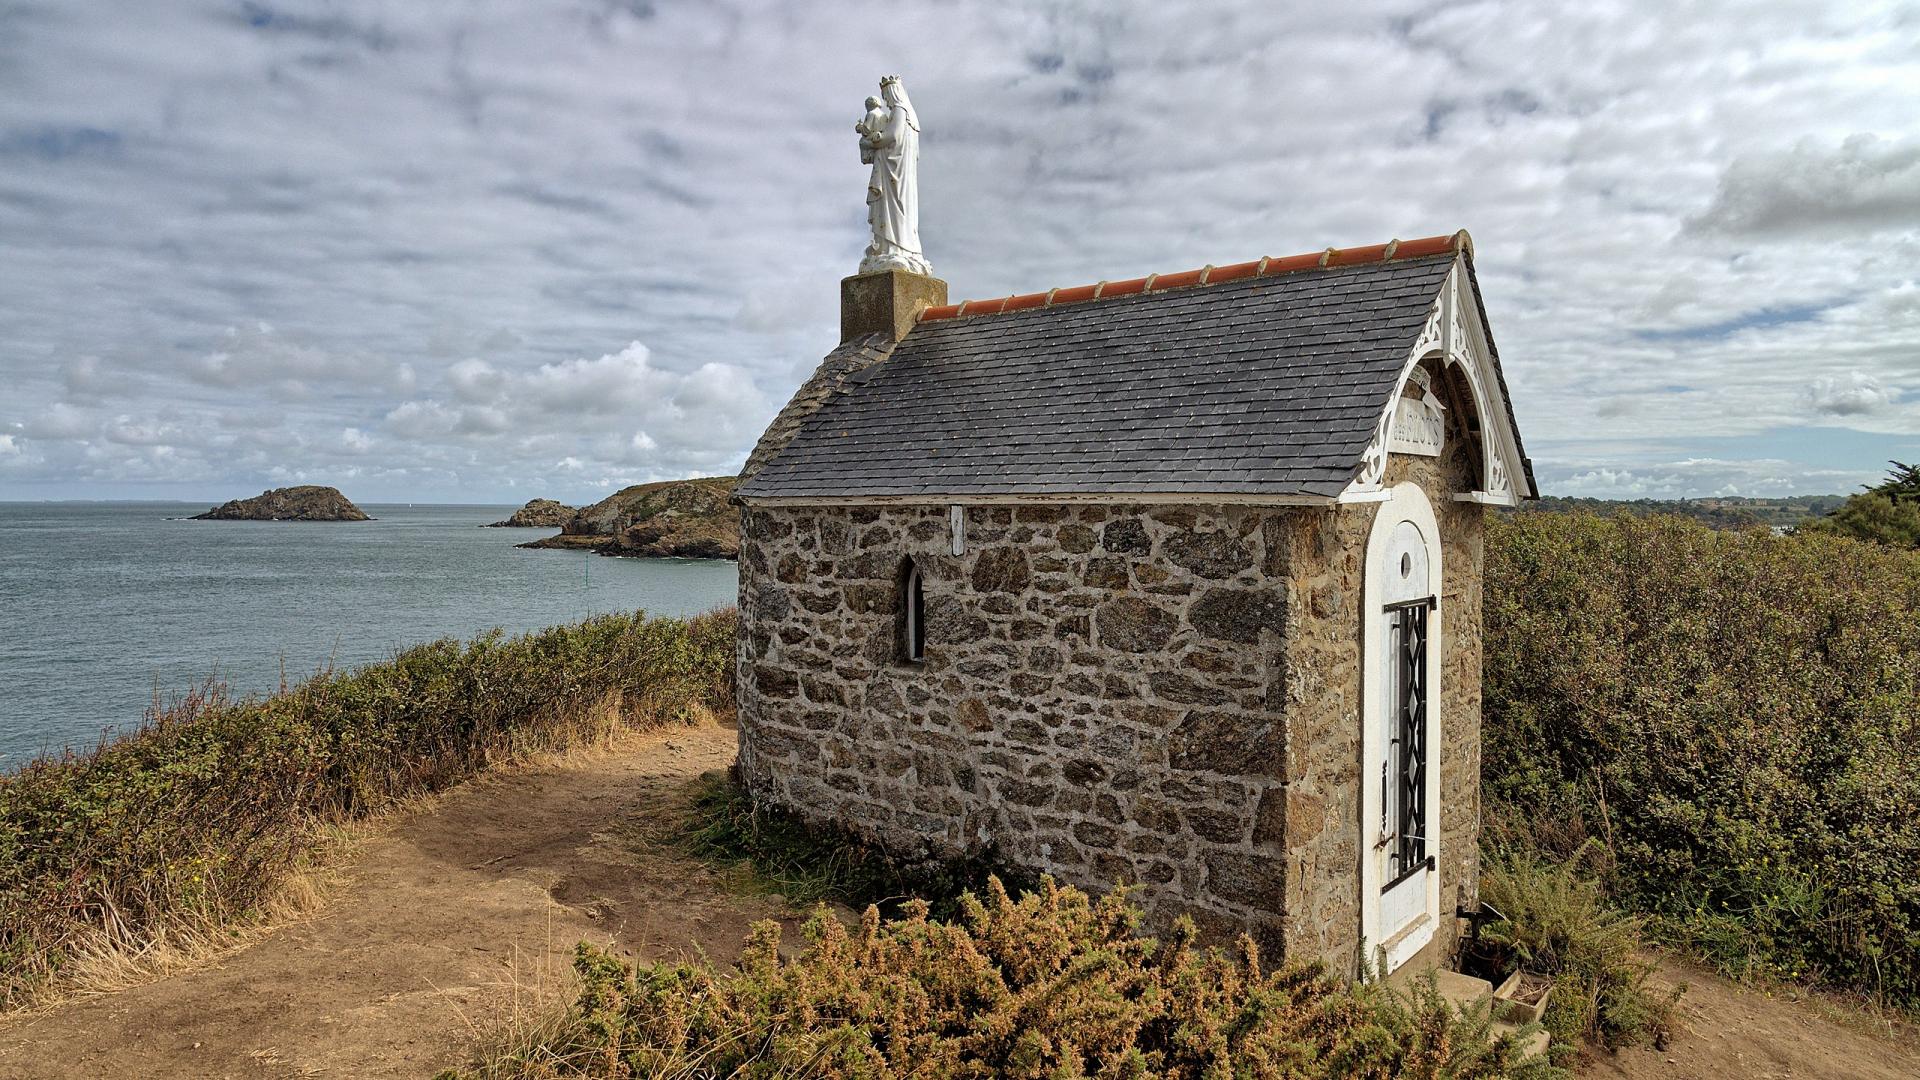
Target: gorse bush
(1054,985)
(1734,716)
(191,822)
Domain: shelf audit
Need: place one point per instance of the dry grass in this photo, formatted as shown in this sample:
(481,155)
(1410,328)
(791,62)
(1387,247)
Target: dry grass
(533,1013)
(101,963)
(220,821)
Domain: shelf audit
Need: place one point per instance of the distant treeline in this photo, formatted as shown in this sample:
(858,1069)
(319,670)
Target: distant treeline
(1717,512)
(1885,513)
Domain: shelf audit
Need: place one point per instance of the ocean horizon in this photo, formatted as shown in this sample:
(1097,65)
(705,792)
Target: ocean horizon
(109,606)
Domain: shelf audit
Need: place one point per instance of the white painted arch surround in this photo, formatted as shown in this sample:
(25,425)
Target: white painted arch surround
(1390,946)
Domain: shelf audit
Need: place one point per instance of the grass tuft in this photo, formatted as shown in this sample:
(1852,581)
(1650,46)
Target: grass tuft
(809,864)
(1560,925)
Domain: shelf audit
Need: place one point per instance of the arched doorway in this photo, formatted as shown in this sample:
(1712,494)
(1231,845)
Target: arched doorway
(1400,745)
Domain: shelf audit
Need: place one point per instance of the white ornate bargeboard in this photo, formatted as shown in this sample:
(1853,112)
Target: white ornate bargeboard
(890,142)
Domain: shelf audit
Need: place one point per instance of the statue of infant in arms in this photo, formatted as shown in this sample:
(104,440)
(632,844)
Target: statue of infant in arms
(872,128)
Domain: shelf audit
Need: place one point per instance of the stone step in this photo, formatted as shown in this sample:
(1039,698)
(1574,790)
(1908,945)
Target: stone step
(1536,1043)
(1463,992)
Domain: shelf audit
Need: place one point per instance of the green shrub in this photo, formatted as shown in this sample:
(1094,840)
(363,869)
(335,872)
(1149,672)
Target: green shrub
(1734,716)
(1559,925)
(193,820)
(1055,985)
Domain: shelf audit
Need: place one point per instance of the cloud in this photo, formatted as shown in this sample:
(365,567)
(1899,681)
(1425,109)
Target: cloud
(1696,477)
(61,421)
(475,380)
(258,357)
(86,377)
(1865,183)
(422,419)
(140,431)
(614,383)
(411,243)
(1854,394)
(51,143)
(617,412)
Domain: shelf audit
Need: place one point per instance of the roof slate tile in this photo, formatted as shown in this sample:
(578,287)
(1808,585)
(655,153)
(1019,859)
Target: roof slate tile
(1266,385)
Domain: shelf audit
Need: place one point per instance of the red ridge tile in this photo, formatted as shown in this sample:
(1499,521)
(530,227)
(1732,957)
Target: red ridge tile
(1356,256)
(1234,272)
(1392,251)
(1293,262)
(1414,249)
(1177,281)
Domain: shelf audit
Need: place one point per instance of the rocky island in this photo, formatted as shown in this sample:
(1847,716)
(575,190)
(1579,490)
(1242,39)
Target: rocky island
(307,502)
(537,514)
(689,519)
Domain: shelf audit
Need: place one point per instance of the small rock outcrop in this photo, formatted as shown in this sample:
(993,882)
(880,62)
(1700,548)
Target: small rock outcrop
(688,519)
(307,502)
(537,514)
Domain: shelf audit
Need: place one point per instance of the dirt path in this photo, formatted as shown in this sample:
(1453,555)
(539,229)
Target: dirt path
(490,886)
(1726,1031)
(442,916)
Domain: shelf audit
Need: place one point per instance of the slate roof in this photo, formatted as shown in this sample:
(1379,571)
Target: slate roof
(1262,386)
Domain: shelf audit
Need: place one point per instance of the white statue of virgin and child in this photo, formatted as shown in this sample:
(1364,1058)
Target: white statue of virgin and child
(890,142)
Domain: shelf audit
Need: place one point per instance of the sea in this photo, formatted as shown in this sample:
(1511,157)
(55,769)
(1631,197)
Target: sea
(107,608)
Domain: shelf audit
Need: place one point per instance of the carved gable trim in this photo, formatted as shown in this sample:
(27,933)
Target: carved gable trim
(1413,423)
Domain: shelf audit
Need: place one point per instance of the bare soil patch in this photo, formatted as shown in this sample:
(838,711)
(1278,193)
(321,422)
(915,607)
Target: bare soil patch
(461,908)
(1723,1030)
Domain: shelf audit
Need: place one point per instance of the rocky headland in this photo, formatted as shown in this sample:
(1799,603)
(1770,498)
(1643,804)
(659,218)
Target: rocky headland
(537,514)
(688,519)
(307,502)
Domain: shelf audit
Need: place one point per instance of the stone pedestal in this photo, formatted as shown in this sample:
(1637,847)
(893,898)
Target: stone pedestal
(886,302)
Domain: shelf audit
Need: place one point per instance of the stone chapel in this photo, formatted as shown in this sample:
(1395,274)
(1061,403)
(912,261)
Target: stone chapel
(1172,581)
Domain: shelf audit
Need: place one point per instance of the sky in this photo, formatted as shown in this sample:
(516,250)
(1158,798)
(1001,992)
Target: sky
(430,251)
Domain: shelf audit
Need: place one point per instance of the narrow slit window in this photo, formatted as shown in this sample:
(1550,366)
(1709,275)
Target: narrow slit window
(913,616)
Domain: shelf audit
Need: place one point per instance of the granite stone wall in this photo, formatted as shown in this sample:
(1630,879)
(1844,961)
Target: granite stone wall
(1160,695)
(1101,696)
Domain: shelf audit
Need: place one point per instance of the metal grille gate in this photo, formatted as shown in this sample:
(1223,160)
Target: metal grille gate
(1410,739)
